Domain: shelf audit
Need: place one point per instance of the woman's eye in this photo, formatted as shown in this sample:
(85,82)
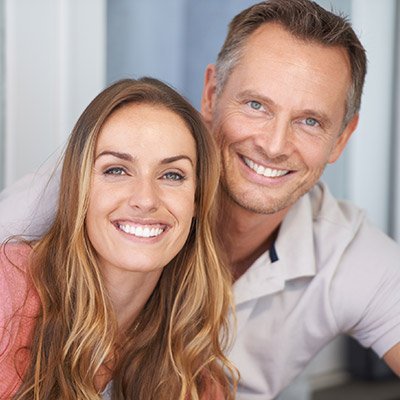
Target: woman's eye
(115,171)
(173,176)
(255,105)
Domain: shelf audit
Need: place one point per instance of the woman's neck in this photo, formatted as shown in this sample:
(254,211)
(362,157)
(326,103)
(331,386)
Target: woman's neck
(129,292)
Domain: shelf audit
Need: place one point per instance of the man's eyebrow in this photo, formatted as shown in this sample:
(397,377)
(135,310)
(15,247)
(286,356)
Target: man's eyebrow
(318,115)
(251,95)
(117,154)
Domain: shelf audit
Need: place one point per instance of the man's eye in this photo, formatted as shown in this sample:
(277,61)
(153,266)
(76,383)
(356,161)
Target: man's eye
(311,122)
(255,105)
(173,176)
(115,171)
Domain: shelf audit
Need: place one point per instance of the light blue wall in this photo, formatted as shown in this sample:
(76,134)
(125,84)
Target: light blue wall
(335,175)
(207,25)
(172,40)
(146,38)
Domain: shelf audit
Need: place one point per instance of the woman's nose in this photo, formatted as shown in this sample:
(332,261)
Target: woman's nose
(144,195)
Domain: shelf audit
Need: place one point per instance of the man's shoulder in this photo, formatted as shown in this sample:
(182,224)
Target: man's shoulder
(339,234)
(327,209)
(323,221)
(346,217)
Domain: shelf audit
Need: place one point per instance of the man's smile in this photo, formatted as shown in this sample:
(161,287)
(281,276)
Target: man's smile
(263,170)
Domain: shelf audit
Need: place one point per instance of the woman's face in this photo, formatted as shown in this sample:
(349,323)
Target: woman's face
(141,200)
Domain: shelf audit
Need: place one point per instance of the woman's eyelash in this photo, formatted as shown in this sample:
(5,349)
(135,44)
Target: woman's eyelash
(115,171)
(174,176)
(171,176)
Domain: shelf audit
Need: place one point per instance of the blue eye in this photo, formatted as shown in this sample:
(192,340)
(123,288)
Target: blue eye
(115,171)
(255,105)
(173,176)
(311,122)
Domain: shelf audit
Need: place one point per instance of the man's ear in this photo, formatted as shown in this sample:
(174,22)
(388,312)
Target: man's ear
(343,139)
(209,93)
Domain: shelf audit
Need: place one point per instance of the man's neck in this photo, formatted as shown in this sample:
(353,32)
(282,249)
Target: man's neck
(246,234)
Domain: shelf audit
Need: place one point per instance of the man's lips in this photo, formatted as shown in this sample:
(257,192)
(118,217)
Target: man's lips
(263,170)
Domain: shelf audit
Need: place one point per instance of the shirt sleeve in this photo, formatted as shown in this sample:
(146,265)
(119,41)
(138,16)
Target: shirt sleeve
(366,290)
(27,208)
(6,304)
(13,289)
(19,306)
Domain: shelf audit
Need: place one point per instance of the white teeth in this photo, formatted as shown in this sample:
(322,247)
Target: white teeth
(140,231)
(260,170)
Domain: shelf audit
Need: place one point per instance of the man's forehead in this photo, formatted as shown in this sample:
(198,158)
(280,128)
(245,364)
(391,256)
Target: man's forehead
(274,35)
(271,48)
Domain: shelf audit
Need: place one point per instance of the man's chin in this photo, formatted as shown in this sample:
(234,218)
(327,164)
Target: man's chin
(257,204)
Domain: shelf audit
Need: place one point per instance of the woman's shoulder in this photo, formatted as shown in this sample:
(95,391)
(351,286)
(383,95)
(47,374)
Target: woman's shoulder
(14,255)
(14,263)
(15,284)
(19,306)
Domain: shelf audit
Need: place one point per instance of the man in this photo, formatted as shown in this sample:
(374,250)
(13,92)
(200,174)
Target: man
(283,100)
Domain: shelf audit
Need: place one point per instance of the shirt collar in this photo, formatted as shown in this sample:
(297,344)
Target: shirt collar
(295,241)
(291,257)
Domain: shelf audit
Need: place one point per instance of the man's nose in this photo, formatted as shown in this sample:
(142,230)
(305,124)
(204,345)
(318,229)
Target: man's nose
(144,195)
(275,138)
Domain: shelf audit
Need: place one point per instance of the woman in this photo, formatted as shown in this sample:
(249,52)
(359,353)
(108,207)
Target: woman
(127,286)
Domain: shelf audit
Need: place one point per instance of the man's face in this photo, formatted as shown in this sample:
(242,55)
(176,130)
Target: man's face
(279,118)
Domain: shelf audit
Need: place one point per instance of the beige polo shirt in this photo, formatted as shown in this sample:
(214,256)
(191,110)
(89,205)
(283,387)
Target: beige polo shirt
(329,272)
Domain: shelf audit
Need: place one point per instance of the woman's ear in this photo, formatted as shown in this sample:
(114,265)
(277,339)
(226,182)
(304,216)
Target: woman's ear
(209,93)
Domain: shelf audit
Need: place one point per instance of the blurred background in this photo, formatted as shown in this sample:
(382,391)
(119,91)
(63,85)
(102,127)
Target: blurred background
(56,55)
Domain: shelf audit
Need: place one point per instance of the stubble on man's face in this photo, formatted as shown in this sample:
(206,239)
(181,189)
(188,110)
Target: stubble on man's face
(256,198)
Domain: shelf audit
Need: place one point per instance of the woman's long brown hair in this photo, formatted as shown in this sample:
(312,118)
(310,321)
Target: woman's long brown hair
(174,348)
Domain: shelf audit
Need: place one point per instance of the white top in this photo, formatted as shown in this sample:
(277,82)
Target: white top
(333,273)
(28,207)
(107,392)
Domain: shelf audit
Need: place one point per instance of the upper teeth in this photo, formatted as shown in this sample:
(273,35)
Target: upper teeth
(141,231)
(260,170)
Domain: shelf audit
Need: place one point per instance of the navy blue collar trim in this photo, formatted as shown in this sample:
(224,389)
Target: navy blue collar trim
(273,255)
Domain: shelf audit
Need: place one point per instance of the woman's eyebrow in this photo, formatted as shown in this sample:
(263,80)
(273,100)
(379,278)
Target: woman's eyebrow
(128,157)
(117,154)
(169,160)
